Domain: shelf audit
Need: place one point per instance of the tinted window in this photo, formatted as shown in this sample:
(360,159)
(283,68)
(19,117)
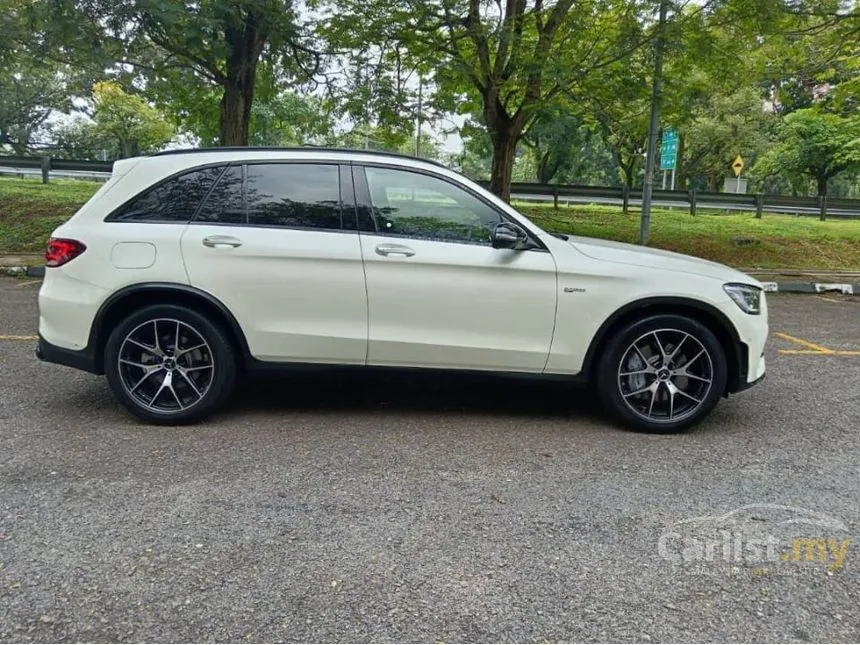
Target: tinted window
(175,200)
(294,195)
(415,205)
(225,204)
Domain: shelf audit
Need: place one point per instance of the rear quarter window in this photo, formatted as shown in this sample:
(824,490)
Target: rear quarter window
(173,200)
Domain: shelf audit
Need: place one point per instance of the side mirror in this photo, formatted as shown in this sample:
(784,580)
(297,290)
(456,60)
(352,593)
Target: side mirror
(508,236)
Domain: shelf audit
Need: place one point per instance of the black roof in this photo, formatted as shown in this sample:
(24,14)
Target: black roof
(381,153)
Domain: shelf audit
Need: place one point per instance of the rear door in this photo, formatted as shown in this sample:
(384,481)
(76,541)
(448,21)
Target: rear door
(277,243)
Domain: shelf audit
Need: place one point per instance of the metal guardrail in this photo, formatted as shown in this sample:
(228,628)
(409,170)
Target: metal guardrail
(48,164)
(693,200)
(823,207)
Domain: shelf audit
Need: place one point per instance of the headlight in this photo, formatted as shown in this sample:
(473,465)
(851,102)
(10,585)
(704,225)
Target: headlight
(747,297)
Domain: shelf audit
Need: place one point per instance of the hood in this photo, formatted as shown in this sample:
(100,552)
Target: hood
(620,252)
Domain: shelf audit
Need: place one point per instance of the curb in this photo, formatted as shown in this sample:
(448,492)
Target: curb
(846,289)
(23,271)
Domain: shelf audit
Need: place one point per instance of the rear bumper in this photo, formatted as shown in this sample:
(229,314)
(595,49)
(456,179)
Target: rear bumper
(80,359)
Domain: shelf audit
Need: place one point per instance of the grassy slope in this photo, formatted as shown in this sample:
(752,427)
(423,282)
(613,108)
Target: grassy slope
(29,212)
(773,241)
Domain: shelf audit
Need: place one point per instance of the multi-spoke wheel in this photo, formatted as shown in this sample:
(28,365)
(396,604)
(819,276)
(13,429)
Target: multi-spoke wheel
(663,374)
(169,364)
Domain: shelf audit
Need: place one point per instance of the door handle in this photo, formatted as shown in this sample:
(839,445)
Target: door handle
(394,249)
(213,241)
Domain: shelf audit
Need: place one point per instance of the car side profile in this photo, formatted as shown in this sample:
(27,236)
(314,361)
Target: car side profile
(189,268)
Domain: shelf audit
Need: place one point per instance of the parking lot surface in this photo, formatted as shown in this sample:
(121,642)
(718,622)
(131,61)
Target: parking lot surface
(412,508)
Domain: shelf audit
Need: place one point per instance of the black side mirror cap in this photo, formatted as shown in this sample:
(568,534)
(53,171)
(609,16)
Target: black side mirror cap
(509,236)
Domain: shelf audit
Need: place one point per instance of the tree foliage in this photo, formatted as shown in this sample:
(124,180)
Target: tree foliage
(505,61)
(815,144)
(194,48)
(123,125)
(726,126)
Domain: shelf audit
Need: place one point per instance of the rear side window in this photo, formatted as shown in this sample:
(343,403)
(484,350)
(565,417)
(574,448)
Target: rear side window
(225,204)
(174,200)
(281,195)
(294,195)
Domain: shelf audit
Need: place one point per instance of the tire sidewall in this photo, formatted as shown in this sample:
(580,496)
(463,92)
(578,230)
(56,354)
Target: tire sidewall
(224,356)
(607,378)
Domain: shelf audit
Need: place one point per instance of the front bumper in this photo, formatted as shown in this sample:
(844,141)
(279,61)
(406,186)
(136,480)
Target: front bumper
(80,359)
(745,385)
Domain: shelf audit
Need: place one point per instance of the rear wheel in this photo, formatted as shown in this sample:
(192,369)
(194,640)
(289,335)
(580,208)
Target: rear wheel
(170,365)
(662,374)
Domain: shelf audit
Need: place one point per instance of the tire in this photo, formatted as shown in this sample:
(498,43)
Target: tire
(662,374)
(159,384)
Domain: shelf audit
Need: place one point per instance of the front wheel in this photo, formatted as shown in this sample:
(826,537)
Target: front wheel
(662,374)
(170,365)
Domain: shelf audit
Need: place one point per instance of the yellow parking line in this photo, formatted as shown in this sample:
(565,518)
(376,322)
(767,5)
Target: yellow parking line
(829,352)
(828,299)
(8,337)
(818,349)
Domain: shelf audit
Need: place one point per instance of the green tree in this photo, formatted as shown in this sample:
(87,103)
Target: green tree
(190,47)
(289,119)
(79,138)
(504,61)
(726,126)
(126,121)
(814,144)
(29,94)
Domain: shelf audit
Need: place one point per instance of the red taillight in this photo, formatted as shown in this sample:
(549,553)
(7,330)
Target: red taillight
(60,251)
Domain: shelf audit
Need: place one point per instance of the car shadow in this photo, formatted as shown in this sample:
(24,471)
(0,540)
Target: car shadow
(366,389)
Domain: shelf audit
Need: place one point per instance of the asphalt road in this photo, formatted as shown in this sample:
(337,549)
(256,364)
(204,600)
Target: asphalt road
(349,508)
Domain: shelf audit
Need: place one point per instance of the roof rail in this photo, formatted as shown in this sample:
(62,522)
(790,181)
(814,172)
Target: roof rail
(381,153)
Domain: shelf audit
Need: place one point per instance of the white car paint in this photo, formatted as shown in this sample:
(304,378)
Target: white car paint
(298,295)
(330,298)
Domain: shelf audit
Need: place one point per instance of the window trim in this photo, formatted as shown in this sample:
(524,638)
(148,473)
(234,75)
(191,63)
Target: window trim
(365,202)
(272,162)
(111,217)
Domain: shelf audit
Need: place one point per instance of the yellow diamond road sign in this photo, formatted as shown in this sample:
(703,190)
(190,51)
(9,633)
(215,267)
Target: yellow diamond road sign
(738,165)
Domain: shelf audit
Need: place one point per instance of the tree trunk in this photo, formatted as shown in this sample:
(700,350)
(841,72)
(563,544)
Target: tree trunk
(236,114)
(628,173)
(822,186)
(680,172)
(504,149)
(245,42)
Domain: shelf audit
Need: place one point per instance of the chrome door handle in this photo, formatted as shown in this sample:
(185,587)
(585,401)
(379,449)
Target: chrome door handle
(221,240)
(394,249)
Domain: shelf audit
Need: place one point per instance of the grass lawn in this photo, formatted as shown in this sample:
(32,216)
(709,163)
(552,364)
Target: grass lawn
(29,211)
(739,239)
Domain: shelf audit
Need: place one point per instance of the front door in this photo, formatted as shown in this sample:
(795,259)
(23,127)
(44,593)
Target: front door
(439,294)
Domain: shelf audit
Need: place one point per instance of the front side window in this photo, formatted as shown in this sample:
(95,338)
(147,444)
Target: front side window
(174,200)
(419,206)
(294,195)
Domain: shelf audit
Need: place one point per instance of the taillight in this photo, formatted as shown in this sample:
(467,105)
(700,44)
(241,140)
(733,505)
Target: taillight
(60,251)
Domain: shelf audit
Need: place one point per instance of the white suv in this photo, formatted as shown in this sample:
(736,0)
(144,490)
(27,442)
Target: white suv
(188,268)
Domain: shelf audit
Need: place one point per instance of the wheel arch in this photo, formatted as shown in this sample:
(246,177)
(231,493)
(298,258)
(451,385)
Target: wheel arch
(128,299)
(704,313)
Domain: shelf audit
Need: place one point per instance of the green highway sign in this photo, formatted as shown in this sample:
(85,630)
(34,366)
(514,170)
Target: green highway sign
(669,149)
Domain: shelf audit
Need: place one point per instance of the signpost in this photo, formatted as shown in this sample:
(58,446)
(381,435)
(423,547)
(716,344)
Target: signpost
(737,167)
(669,154)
